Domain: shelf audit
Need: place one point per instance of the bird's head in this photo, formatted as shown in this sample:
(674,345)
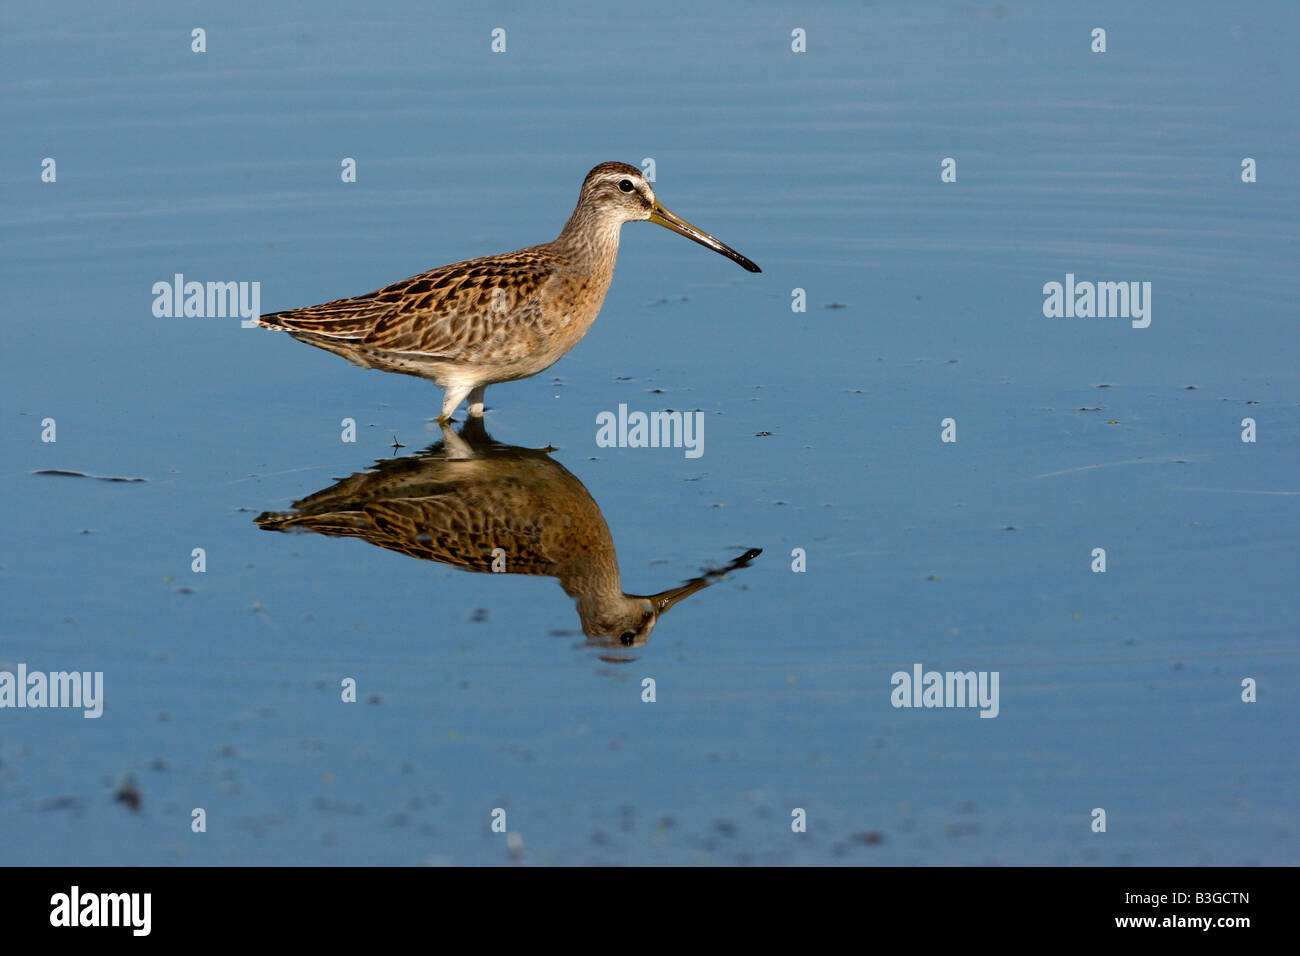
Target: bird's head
(616,193)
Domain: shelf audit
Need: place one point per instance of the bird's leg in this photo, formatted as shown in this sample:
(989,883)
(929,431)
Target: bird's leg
(476,402)
(451,398)
(453,446)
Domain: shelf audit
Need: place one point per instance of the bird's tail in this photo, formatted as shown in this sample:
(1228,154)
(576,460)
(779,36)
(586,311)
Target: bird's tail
(344,318)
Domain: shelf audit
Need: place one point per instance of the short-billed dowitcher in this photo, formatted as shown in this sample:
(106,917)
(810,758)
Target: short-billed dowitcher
(479,505)
(472,324)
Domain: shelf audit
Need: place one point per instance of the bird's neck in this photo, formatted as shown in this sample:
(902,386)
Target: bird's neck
(589,239)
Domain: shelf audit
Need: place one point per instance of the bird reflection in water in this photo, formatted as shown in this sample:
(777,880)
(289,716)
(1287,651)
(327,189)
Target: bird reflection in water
(476,504)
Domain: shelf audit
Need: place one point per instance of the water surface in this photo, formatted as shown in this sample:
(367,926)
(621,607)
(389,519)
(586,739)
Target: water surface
(478,691)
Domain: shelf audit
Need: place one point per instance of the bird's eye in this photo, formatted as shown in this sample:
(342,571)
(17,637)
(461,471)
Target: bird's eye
(625,185)
(627,637)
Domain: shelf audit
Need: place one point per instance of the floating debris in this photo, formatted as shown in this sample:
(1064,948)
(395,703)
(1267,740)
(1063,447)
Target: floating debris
(81,474)
(75,804)
(128,793)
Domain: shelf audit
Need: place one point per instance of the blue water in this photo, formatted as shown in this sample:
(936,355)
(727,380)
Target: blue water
(1119,691)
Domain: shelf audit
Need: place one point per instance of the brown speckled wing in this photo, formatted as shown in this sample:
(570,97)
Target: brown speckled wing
(343,318)
(447,528)
(459,309)
(452,531)
(457,511)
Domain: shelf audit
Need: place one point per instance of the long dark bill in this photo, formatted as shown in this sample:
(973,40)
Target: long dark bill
(677,224)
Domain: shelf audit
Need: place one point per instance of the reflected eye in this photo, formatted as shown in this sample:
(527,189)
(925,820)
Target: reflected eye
(626,638)
(626,185)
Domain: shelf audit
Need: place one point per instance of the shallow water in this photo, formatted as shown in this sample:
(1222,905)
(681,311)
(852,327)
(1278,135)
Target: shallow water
(478,691)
